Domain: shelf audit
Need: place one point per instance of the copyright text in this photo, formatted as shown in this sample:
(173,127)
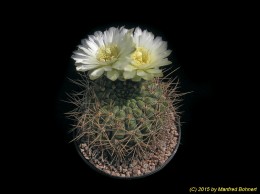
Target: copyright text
(222,189)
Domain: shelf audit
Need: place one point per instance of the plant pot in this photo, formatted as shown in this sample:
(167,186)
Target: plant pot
(138,170)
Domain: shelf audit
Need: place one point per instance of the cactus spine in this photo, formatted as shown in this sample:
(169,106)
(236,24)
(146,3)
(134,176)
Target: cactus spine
(123,120)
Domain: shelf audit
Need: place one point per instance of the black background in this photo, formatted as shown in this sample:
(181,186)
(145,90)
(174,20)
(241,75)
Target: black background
(218,145)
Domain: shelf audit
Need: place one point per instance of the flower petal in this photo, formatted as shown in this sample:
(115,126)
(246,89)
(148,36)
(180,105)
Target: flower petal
(118,66)
(129,68)
(141,73)
(96,73)
(76,57)
(136,79)
(112,75)
(129,74)
(148,76)
(107,68)
(154,71)
(158,74)
(85,67)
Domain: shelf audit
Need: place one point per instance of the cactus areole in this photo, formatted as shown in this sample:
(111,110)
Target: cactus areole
(126,121)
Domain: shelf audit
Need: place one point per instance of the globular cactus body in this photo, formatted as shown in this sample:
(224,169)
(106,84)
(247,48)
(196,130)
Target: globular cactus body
(124,119)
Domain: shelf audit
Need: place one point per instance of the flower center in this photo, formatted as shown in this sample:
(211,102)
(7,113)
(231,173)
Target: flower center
(141,56)
(107,53)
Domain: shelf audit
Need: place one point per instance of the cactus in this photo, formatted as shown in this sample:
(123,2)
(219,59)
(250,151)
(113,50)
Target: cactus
(123,119)
(126,112)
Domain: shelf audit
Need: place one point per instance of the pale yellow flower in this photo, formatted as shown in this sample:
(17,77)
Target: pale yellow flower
(105,53)
(150,54)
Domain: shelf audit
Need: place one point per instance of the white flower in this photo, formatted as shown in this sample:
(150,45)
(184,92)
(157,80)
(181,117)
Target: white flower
(150,54)
(105,53)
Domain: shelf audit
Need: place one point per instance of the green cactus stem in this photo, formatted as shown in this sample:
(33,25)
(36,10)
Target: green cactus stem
(123,119)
